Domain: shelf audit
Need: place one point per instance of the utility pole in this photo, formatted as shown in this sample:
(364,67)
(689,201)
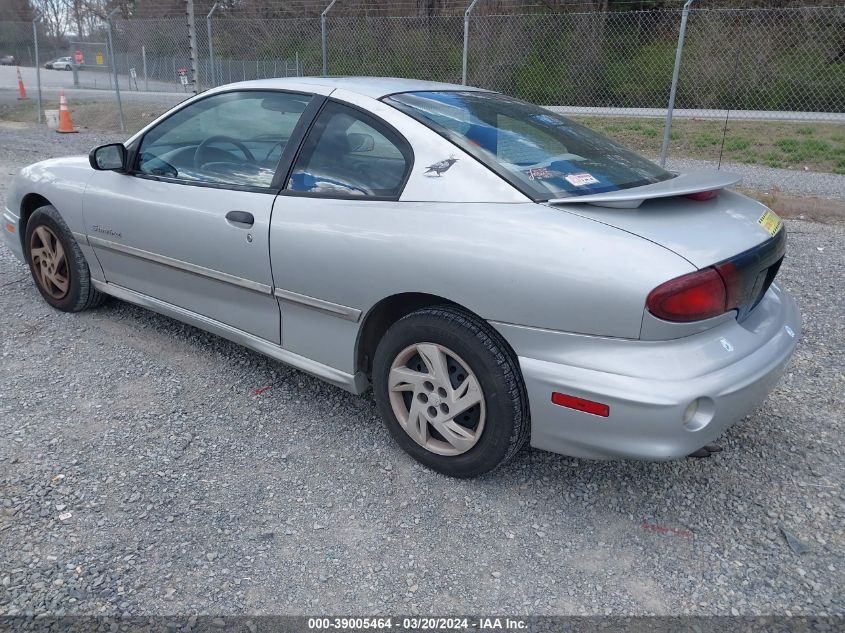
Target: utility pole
(114,68)
(37,61)
(466,42)
(192,37)
(667,126)
(324,29)
(212,72)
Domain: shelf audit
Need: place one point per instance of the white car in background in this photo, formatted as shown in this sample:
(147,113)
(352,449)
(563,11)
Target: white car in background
(62,63)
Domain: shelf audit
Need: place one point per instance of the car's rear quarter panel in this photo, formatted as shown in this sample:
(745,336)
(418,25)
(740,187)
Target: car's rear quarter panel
(515,263)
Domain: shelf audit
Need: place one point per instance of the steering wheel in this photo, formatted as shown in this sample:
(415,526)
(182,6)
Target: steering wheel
(220,138)
(281,145)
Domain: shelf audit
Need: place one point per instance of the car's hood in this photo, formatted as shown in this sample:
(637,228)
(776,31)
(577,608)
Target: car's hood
(45,169)
(56,178)
(64,161)
(52,170)
(703,232)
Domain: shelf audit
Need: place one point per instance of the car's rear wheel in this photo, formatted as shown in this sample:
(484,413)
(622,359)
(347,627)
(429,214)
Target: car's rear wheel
(57,263)
(450,391)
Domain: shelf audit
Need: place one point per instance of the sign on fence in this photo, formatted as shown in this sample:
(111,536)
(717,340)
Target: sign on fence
(99,59)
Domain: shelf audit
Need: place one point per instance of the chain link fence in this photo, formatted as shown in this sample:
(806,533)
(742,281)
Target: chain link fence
(418,47)
(585,60)
(244,49)
(775,60)
(612,68)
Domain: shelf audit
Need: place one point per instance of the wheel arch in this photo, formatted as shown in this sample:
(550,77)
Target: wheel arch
(29,204)
(385,313)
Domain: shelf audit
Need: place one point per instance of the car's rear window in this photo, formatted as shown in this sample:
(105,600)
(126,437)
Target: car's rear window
(544,154)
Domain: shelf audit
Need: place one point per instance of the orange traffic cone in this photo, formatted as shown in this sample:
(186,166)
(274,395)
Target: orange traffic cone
(65,124)
(21,89)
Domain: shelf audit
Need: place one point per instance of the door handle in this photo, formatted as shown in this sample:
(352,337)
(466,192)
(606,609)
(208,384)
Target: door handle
(242,219)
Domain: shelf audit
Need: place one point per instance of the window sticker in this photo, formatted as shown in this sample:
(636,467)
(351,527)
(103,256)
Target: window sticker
(539,173)
(546,119)
(581,180)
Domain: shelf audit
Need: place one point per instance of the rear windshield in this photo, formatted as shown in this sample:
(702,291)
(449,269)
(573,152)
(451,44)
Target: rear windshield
(542,153)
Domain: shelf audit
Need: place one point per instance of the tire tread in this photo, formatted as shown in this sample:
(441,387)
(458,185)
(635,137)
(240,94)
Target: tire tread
(89,296)
(460,321)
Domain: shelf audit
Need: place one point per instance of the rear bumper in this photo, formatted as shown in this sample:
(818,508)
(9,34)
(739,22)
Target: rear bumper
(12,238)
(649,385)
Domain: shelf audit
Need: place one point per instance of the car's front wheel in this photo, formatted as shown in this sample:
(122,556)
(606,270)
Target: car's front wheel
(57,263)
(450,391)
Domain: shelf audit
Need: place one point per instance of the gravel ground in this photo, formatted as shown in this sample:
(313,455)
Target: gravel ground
(147,467)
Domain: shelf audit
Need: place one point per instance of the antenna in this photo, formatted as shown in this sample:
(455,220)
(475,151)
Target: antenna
(724,133)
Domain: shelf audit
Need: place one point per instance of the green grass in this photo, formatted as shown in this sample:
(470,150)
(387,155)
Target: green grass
(737,143)
(706,140)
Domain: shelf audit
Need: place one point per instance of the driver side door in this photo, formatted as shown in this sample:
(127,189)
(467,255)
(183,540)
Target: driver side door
(189,223)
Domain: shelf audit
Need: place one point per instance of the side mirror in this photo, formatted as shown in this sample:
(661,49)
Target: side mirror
(361,142)
(110,157)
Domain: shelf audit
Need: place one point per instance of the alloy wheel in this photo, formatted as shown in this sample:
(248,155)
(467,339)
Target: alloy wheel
(436,398)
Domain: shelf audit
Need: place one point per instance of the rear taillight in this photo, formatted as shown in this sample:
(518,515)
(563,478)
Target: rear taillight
(693,297)
(733,280)
(738,283)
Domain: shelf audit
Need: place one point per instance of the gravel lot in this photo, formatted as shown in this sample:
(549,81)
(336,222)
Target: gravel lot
(145,469)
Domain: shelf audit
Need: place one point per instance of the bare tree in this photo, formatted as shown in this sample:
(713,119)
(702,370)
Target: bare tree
(55,16)
(15,11)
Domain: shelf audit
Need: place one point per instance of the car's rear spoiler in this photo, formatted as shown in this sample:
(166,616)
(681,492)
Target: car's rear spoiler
(681,185)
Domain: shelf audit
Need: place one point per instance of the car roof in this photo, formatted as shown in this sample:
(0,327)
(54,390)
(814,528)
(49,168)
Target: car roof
(375,87)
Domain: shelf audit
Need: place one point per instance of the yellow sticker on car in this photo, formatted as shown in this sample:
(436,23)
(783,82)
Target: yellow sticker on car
(770,221)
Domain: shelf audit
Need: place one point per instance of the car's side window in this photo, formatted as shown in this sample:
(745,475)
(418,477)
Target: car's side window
(349,153)
(234,138)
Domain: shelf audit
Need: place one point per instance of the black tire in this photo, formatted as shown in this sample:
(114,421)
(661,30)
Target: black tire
(507,419)
(80,292)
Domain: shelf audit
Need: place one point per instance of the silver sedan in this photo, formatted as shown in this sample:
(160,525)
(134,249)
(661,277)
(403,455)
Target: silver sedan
(498,273)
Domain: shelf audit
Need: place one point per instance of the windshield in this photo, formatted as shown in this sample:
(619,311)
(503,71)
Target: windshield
(542,153)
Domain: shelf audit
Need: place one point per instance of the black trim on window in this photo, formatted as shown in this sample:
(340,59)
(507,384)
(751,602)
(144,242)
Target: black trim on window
(297,136)
(381,126)
(300,133)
